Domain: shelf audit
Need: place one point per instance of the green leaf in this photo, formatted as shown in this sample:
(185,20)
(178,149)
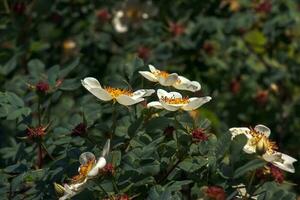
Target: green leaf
(250,166)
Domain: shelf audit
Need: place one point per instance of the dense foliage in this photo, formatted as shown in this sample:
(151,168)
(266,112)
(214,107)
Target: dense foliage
(245,54)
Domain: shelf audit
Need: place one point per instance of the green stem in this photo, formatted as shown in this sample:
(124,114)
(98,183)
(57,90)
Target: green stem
(39,111)
(40,155)
(114,118)
(46,150)
(249,186)
(115,185)
(104,191)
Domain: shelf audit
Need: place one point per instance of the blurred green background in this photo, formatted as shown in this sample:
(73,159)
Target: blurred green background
(245,54)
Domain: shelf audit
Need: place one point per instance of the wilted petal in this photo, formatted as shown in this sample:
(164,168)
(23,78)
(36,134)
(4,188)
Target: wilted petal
(155,104)
(263,129)
(196,103)
(238,131)
(90,82)
(99,165)
(101,94)
(149,76)
(128,100)
(281,160)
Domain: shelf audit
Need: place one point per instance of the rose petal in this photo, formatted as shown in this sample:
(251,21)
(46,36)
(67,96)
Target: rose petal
(149,76)
(239,130)
(281,160)
(196,103)
(106,148)
(99,165)
(162,93)
(128,100)
(170,107)
(155,104)
(142,93)
(263,129)
(101,94)
(169,81)
(90,82)
(152,69)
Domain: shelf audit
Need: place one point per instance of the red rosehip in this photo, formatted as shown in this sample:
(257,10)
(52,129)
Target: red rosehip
(42,87)
(199,135)
(215,193)
(208,48)
(103,15)
(264,7)
(143,53)
(176,29)
(262,97)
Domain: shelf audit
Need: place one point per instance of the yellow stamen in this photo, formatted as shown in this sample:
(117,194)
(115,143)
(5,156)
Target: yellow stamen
(83,171)
(260,138)
(174,100)
(115,92)
(163,74)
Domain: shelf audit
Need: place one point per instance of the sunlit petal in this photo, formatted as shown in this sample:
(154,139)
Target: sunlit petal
(128,100)
(263,129)
(149,76)
(196,103)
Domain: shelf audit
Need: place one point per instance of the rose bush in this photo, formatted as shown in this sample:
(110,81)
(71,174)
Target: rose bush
(149,99)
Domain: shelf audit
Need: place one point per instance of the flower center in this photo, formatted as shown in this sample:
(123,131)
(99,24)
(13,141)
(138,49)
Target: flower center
(163,74)
(83,171)
(174,100)
(115,92)
(260,138)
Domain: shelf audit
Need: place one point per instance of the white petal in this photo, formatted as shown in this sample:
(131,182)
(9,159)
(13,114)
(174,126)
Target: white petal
(162,93)
(152,69)
(249,148)
(238,131)
(106,148)
(263,129)
(119,27)
(101,94)
(170,80)
(170,107)
(142,93)
(86,157)
(100,164)
(149,76)
(281,160)
(128,100)
(90,82)
(196,103)
(186,84)
(174,95)
(155,104)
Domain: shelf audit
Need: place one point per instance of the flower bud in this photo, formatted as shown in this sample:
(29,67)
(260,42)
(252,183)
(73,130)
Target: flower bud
(59,189)
(261,146)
